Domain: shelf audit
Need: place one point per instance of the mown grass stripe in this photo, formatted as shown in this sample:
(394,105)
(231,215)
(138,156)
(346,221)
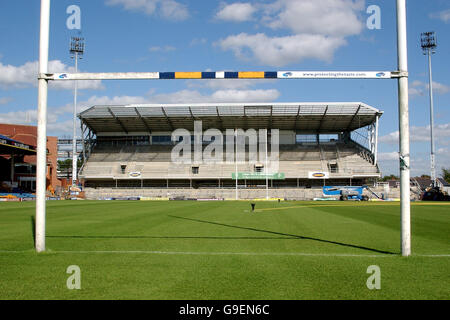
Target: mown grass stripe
(232,253)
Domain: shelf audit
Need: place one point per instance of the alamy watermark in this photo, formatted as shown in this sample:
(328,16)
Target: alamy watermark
(374,20)
(374,281)
(74,281)
(73,22)
(214,147)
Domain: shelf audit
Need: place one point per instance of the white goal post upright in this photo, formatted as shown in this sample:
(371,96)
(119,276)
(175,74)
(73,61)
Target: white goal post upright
(403,103)
(41,161)
(401,74)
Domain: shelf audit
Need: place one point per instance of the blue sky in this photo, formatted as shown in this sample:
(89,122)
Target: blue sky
(201,35)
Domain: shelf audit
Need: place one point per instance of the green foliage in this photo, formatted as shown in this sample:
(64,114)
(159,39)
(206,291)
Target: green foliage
(389,178)
(446,174)
(67,164)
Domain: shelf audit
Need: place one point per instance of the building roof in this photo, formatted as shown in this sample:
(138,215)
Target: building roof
(424,182)
(443,182)
(9,146)
(302,117)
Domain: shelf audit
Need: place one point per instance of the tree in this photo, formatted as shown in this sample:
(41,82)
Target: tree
(390,177)
(446,174)
(67,164)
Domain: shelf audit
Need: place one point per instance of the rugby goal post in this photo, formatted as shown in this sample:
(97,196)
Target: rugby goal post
(403,104)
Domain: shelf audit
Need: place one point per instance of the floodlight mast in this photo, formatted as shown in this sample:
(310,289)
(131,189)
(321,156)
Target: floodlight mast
(428,44)
(77,51)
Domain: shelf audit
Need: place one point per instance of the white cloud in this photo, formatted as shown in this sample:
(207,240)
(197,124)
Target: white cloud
(58,125)
(419,88)
(55,126)
(225,83)
(236,12)
(26,75)
(279,51)
(183,96)
(421,134)
(198,41)
(391,138)
(12,76)
(416,92)
(19,117)
(317,29)
(443,15)
(116,100)
(100,101)
(420,162)
(440,88)
(230,95)
(337,18)
(162,49)
(5,100)
(168,9)
(245,95)
(27,117)
(388,156)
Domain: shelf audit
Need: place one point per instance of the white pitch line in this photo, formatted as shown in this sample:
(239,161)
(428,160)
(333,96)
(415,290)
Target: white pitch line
(302,254)
(433,255)
(235,253)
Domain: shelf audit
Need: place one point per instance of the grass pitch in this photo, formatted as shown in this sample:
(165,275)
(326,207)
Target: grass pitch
(221,250)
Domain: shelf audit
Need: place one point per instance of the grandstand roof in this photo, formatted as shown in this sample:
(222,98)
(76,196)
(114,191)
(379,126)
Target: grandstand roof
(301,117)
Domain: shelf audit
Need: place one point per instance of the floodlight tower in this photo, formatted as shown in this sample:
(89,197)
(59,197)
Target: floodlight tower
(428,44)
(76,51)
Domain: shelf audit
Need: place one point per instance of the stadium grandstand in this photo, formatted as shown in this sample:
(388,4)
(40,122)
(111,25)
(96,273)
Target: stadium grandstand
(128,150)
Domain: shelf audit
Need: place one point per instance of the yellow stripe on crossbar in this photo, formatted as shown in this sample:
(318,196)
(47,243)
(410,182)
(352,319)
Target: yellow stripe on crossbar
(188,75)
(251,75)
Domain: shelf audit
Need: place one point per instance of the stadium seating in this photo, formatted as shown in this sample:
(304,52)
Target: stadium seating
(150,166)
(296,161)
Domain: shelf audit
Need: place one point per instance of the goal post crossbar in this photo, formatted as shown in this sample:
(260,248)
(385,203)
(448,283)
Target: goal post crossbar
(403,111)
(223,75)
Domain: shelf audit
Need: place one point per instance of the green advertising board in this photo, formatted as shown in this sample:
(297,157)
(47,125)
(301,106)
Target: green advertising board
(258,176)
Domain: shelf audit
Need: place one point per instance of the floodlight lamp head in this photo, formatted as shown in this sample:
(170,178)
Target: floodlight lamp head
(77,45)
(428,42)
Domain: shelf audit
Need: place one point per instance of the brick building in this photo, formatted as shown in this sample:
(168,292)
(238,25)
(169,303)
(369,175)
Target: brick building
(25,166)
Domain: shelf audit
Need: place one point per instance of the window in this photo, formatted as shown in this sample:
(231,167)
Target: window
(305,138)
(333,167)
(124,141)
(328,137)
(162,140)
(195,170)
